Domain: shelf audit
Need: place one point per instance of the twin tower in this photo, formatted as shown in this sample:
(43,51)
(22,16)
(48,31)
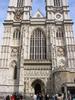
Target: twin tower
(38,52)
(52,7)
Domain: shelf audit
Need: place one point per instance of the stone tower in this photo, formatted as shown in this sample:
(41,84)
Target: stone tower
(38,52)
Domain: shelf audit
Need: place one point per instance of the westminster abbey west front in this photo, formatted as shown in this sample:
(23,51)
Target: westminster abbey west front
(38,52)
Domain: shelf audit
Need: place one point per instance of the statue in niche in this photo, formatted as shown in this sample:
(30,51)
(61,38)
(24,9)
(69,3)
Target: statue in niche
(13,63)
(61,62)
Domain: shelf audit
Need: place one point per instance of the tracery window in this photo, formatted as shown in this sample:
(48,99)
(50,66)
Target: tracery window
(57,3)
(59,33)
(16,34)
(20,3)
(38,45)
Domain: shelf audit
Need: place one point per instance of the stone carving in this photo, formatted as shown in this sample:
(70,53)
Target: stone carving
(61,61)
(13,63)
(14,52)
(58,80)
(18,14)
(38,73)
(58,16)
(60,51)
(58,9)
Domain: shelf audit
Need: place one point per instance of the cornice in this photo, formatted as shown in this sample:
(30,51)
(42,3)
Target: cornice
(63,69)
(67,21)
(8,22)
(40,21)
(37,62)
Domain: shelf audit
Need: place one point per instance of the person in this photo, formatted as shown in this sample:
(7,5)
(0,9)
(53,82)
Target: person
(40,96)
(56,97)
(60,96)
(21,97)
(69,95)
(73,98)
(47,97)
(13,97)
(53,97)
(35,97)
(8,97)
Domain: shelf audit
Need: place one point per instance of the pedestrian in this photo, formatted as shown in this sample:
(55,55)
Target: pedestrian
(60,96)
(7,97)
(47,97)
(40,96)
(53,97)
(56,96)
(13,97)
(21,97)
(68,95)
(35,97)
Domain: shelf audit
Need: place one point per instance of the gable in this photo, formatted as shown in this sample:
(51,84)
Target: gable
(38,14)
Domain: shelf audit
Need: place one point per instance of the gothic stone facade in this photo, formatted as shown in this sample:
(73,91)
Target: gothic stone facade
(38,52)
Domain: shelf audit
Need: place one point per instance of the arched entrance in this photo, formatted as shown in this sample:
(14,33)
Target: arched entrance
(38,86)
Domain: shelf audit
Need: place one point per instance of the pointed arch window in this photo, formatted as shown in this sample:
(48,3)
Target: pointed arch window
(20,3)
(57,3)
(15,72)
(16,34)
(59,33)
(38,45)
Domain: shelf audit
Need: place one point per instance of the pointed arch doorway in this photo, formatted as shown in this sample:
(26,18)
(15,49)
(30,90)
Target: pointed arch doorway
(38,86)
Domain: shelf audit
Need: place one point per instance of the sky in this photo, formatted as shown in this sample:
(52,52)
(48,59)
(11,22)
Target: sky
(37,4)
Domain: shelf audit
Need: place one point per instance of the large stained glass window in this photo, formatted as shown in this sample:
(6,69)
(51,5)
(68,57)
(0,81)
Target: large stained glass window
(38,45)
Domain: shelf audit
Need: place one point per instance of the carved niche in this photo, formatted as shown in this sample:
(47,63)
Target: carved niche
(13,63)
(36,73)
(18,14)
(14,51)
(61,62)
(60,51)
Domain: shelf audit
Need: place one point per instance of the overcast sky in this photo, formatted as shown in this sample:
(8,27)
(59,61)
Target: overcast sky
(37,4)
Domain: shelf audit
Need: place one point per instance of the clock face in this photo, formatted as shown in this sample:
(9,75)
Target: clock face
(58,16)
